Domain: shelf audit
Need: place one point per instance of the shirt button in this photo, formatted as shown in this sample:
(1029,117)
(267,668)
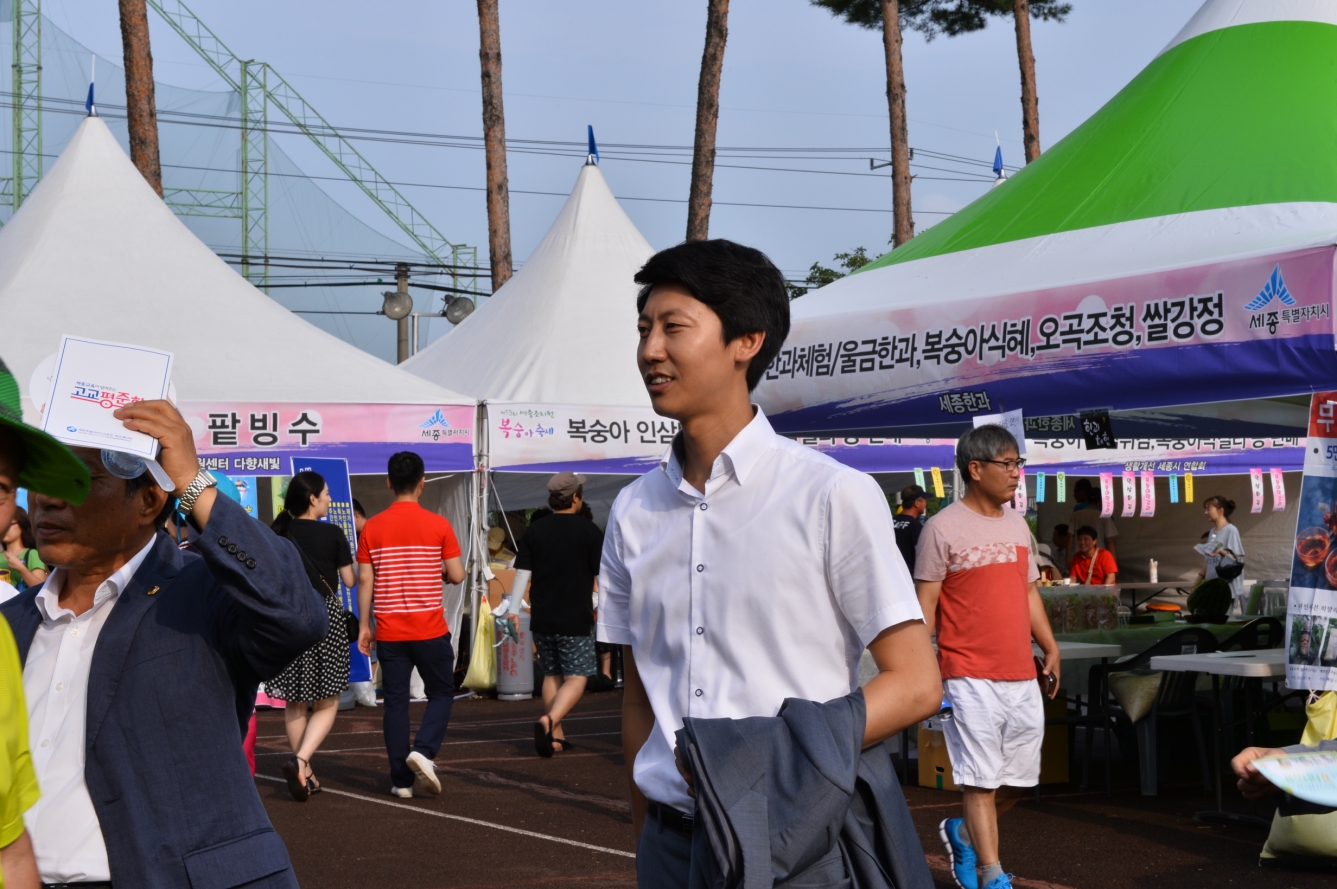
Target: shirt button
(60,686)
(700,630)
(46,742)
(74,633)
(700,567)
(699,692)
(705,506)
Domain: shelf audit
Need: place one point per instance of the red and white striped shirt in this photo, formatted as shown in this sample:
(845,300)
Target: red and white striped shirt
(405,546)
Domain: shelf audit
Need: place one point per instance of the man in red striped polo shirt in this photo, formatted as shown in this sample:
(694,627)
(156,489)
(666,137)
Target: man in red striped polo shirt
(401,555)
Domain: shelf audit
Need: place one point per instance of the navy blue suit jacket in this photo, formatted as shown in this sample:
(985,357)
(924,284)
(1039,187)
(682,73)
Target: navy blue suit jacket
(189,637)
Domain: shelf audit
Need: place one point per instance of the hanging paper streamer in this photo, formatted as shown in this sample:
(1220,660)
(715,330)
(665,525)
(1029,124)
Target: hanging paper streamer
(1019,501)
(1106,494)
(937,482)
(1129,494)
(1188,487)
(1040,487)
(1256,482)
(1062,492)
(1174,488)
(1148,493)
(919,479)
(1278,491)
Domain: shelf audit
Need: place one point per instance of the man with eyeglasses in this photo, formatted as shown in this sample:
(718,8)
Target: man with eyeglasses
(975,573)
(140,664)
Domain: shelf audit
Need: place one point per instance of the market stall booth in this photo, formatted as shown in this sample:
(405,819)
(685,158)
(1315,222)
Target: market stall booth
(95,252)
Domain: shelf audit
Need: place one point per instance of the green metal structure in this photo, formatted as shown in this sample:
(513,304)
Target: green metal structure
(259,85)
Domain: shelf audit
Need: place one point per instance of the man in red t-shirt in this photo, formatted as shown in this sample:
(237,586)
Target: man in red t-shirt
(401,554)
(975,574)
(1092,564)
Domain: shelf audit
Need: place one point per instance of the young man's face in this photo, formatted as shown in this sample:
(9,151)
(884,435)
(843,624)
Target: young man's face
(1086,543)
(686,365)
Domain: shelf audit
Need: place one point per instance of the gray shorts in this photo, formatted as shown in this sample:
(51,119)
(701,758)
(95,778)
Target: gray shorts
(566,655)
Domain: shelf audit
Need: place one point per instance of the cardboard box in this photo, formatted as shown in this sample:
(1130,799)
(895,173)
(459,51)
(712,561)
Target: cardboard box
(935,768)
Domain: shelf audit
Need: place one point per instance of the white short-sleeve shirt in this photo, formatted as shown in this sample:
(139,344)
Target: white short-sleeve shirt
(768,585)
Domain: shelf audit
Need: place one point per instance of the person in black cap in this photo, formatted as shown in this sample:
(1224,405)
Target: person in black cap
(562,553)
(909,522)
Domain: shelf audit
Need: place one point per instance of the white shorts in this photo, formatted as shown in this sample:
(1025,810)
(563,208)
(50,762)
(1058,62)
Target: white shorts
(995,733)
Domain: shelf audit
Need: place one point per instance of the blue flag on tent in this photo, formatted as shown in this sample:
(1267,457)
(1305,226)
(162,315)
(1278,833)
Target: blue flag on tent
(998,162)
(594,146)
(88,106)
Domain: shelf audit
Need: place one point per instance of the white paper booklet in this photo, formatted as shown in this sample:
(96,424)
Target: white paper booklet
(1311,777)
(92,378)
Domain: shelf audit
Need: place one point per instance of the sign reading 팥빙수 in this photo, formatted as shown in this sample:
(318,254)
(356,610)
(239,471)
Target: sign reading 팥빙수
(1311,614)
(263,438)
(524,437)
(335,473)
(1267,322)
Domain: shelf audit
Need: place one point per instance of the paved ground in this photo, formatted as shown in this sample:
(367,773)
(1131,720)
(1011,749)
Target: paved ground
(509,819)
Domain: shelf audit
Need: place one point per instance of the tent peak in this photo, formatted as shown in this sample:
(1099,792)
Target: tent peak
(592,159)
(1215,15)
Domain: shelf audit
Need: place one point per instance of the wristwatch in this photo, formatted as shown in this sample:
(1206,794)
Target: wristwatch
(204,479)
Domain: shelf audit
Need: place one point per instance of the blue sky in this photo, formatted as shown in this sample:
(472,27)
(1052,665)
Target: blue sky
(794,77)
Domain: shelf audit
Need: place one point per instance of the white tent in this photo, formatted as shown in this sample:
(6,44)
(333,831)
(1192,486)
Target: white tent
(553,355)
(94,252)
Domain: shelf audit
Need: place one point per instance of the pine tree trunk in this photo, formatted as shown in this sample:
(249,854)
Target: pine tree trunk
(1030,102)
(494,143)
(707,116)
(141,113)
(904,224)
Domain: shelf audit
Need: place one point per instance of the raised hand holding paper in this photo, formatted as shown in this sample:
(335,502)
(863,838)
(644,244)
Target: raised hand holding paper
(1311,777)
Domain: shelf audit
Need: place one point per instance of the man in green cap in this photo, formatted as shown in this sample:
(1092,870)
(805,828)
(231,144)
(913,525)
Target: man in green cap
(31,459)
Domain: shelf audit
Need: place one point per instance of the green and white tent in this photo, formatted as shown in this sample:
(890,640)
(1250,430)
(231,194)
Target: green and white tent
(1175,249)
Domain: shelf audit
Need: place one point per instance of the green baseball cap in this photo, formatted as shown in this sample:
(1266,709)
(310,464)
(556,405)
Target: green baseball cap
(49,467)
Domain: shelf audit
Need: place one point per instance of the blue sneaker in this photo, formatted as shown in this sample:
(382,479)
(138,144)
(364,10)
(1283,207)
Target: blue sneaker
(961,855)
(1002,881)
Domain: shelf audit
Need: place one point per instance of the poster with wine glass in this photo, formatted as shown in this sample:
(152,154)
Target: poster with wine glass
(1311,613)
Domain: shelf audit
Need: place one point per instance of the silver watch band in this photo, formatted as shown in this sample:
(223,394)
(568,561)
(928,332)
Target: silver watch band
(202,480)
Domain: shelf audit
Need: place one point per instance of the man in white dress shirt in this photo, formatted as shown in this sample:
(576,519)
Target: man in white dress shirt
(746,569)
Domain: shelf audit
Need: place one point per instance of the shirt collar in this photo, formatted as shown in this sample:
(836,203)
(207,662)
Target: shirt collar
(48,599)
(738,457)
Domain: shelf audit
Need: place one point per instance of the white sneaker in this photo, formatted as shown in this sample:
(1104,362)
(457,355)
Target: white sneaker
(402,792)
(425,769)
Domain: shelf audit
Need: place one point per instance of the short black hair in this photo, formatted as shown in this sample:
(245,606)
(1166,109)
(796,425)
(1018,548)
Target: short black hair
(740,284)
(1083,484)
(405,470)
(1088,531)
(357,508)
(1061,528)
(911,494)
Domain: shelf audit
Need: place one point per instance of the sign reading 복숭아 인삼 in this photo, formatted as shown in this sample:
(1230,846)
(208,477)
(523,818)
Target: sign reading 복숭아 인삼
(525,437)
(92,379)
(1311,612)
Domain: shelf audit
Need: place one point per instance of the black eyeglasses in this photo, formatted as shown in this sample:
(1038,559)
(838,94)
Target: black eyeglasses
(1008,465)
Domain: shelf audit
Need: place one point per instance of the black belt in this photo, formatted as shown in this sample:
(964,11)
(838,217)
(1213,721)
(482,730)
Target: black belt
(101,884)
(669,818)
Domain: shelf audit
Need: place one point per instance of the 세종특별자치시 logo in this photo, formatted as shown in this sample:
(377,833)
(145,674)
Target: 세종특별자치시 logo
(1275,288)
(436,419)
(1267,316)
(436,427)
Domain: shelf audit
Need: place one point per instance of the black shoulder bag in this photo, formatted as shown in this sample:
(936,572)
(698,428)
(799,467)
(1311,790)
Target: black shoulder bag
(351,625)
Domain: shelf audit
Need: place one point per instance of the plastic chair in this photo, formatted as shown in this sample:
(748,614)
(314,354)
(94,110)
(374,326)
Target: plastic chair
(1175,698)
(1259,634)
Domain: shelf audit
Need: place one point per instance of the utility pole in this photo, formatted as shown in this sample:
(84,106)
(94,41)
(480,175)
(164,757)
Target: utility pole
(494,143)
(402,324)
(707,116)
(141,113)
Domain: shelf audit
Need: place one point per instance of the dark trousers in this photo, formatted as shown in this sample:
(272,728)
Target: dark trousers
(663,857)
(436,665)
